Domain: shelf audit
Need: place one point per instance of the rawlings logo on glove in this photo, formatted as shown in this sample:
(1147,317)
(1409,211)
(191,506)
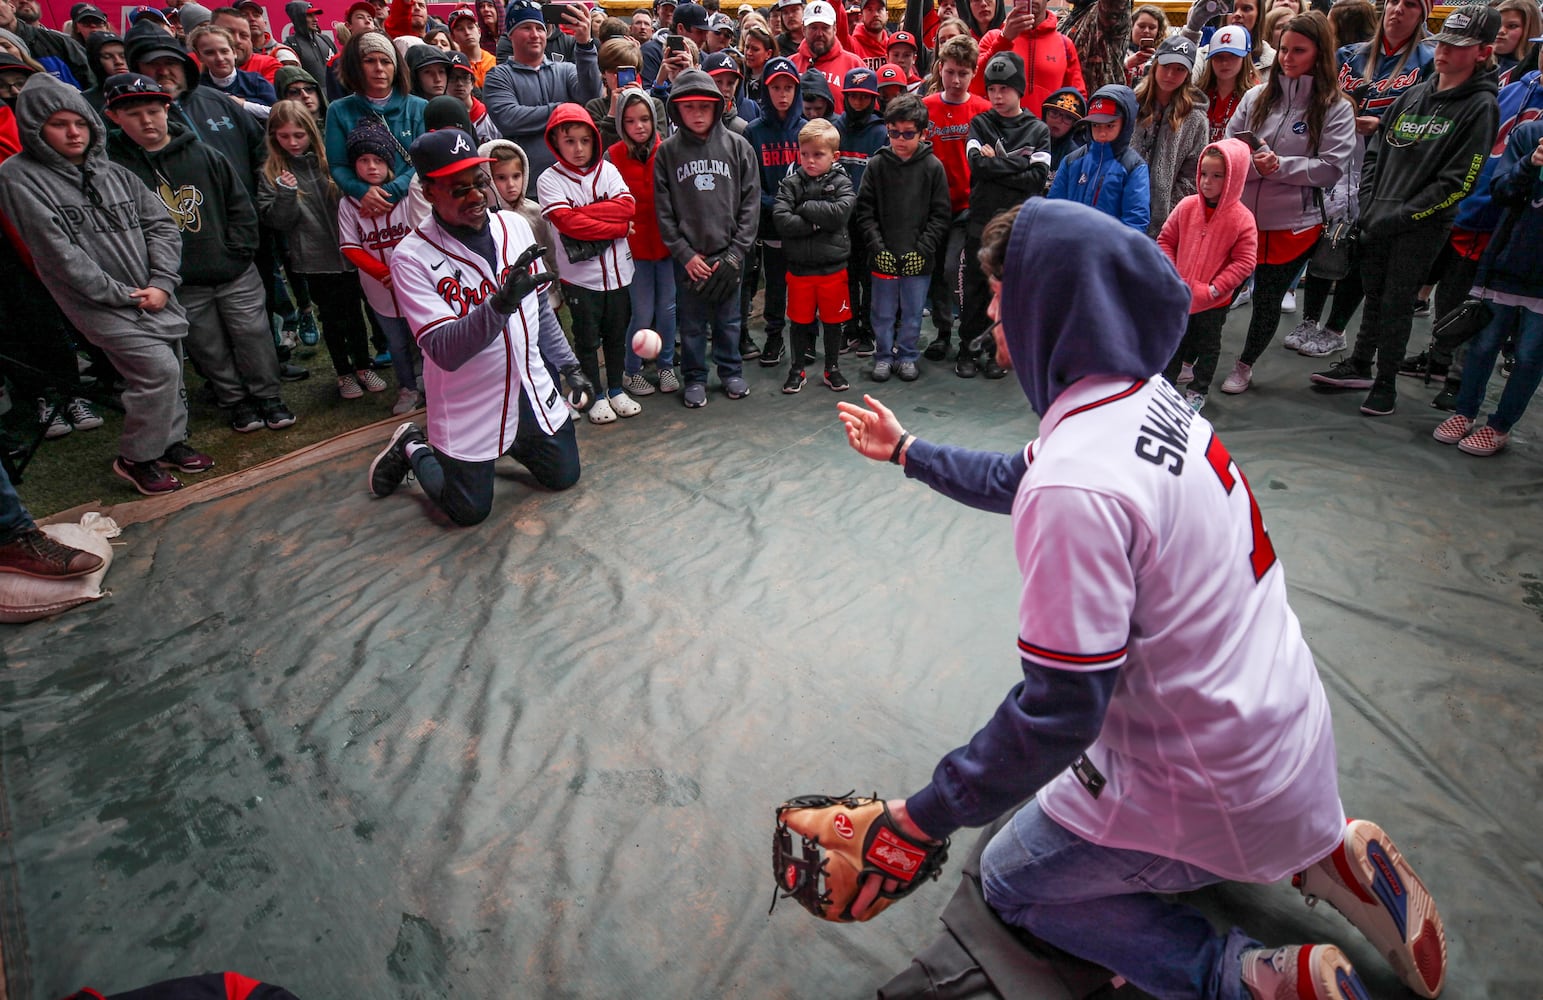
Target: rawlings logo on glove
(841,841)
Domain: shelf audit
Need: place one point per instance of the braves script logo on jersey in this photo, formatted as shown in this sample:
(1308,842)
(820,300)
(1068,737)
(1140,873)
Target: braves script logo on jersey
(387,237)
(894,856)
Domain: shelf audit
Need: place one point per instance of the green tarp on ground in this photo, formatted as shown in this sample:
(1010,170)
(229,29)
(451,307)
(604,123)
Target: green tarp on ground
(331,743)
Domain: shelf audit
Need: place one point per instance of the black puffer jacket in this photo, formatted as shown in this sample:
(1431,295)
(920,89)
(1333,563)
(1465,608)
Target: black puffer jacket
(812,215)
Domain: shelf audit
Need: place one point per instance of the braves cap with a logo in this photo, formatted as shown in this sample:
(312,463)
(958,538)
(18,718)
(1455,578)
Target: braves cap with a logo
(860,80)
(1233,40)
(1175,49)
(122,87)
(903,38)
(461,14)
(891,75)
(1470,24)
(721,23)
(458,61)
(150,12)
(1102,111)
(715,63)
(820,12)
(442,153)
(779,66)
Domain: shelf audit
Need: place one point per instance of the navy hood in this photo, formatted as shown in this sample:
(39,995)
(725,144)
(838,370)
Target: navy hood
(1120,308)
(813,84)
(783,65)
(1126,98)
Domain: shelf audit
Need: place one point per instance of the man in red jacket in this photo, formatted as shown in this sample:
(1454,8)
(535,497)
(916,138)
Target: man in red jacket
(1049,58)
(870,40)
(822,49)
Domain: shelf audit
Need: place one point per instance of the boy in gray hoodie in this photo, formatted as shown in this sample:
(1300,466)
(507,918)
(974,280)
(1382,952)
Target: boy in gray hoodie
(109,255)
(707,190)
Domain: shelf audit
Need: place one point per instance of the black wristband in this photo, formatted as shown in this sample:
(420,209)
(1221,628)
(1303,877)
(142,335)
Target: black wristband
(905,439)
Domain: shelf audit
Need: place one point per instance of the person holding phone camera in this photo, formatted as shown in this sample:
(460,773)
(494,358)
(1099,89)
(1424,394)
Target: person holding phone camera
(521,94)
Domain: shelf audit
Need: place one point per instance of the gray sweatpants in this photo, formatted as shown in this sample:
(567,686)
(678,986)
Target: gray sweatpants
(229,339)
(155,404)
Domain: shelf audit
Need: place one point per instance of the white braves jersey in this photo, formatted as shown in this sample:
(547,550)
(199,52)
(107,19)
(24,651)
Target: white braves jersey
(1142,547)
(474,411)
(558,187)
(377,237)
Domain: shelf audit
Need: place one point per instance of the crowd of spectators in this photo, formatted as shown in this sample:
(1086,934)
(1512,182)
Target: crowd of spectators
(206,188)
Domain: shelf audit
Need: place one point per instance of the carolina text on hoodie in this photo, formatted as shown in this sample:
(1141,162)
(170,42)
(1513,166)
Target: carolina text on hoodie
(706,187)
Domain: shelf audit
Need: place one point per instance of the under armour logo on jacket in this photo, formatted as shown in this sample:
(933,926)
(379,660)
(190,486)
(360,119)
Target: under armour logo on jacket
(223,122)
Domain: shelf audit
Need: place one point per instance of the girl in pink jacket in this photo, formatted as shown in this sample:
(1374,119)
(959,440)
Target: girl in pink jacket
(1212,240)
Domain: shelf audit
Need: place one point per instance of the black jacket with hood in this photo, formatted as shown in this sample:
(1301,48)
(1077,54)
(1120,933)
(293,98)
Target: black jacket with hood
(313,47)
(95,42)
(288,75)
(216,218)
(814,216)
(903,204)
(999,182)
(208,114)
(1427,155)
(775,140)
(706,188)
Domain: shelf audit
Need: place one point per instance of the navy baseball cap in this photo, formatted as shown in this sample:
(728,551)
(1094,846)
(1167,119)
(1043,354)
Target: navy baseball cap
(87,12)
(150,12)
(860,80)
(720,62)
(780,66)
(122,87)
(690,15)
(445,152)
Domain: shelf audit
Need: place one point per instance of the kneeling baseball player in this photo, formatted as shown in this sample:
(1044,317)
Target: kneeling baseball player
(1170,722)
(468,284)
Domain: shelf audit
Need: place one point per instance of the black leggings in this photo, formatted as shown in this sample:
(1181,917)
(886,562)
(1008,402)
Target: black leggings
(1270,283)
(802,343)
(1203,342)
(1348,293)
(340,307)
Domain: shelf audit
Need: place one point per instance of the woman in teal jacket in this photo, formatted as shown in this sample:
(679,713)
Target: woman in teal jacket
(377,83)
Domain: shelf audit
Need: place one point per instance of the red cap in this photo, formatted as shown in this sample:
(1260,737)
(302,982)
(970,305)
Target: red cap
(1102,110)
(461,14)
(903,38)
(891,75)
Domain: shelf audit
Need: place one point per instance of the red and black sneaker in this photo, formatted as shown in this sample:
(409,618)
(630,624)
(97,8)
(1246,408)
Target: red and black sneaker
(146,477)
(184,457)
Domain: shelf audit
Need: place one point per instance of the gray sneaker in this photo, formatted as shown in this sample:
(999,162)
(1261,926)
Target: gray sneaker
(1322,344)
(735,386)
(1304,332)
(637,385)
(881,371)
(907,371)
(695,395)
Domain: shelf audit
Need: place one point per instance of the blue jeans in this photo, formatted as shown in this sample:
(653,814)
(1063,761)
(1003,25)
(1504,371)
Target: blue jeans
(905,296)
(1099,903)
(13,516)
(653,305)
(696,315)
(1482,351)
(399,339)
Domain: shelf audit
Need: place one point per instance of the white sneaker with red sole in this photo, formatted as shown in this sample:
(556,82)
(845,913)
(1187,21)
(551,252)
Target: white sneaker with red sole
(1368,880)
(1301,972)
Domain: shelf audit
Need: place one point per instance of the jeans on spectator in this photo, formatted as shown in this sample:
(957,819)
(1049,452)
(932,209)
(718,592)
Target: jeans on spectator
(399,339)
(1203,342)
(944,289)
(340,307)
(464,490)
(229,338)
(698,317)
(1393,269)
(653,307)
(1270,284)
(1102,904)
(600,320)
(14,519)
(903,297)
(1480,365)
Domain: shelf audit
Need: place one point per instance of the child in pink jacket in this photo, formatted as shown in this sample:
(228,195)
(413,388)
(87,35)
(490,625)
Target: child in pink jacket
(1212,240)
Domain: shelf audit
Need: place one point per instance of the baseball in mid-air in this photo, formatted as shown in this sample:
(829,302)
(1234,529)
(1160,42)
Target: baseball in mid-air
(646,344)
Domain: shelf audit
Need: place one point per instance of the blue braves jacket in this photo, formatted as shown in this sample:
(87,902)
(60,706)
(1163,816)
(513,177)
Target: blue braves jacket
(862,135)
(1516,266)
(775,139)
(1109,176)
(1520,102)
(1375,92)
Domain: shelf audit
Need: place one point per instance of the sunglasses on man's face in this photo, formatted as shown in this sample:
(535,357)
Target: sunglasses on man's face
(300,89)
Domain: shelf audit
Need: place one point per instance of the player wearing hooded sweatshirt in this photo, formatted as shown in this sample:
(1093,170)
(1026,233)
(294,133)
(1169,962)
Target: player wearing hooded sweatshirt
(110,256)
(1108,175)
(1424,159)
(708,193)
(774,137)
(585,199)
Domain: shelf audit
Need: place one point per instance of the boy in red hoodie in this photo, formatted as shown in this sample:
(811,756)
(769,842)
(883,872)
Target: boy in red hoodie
(585,199)
(949,112)
(1212,240)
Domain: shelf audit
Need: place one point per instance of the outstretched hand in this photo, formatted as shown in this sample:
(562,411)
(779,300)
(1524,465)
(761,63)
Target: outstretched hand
(871,432)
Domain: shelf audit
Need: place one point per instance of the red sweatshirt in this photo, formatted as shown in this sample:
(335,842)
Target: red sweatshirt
(948,131)
(1049,61)
(645,241)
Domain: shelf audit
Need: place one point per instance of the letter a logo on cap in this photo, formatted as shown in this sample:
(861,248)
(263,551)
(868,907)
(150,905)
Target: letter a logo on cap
(461,145)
